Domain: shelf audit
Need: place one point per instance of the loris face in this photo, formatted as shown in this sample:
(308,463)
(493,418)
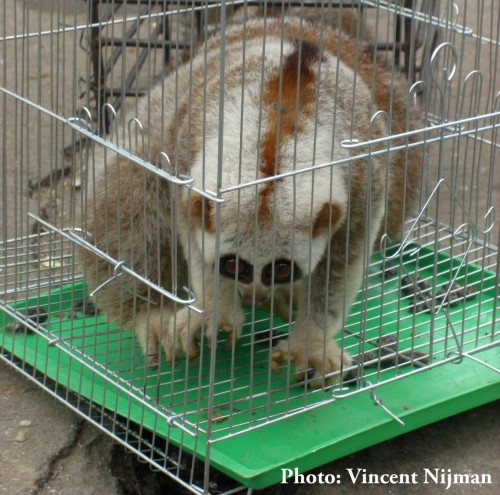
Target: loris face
(254,284)
(259,260)
(262,248)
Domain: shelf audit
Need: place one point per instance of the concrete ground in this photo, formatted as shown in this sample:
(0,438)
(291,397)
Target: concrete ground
(45,448)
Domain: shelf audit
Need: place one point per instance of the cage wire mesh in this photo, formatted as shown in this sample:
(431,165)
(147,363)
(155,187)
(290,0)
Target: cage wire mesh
(258,108)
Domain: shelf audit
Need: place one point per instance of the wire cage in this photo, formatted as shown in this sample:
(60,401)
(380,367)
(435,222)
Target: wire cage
(118,114)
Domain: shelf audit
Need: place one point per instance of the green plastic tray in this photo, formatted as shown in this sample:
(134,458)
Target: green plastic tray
(261,424)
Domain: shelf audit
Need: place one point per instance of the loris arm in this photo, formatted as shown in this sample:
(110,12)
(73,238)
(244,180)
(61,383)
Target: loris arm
(320,316)
(187,325)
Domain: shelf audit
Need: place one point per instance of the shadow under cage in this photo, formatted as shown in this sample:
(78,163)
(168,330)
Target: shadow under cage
(225,221)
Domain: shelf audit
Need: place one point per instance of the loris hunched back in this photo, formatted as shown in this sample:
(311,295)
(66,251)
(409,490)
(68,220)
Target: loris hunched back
(299,240)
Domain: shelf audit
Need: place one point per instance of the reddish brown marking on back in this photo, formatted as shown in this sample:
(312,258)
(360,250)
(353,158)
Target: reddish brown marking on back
(390,95)
(296,75)
(328,217)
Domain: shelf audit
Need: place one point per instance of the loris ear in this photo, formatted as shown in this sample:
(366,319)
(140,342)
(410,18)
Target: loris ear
(328,218)
(201,212)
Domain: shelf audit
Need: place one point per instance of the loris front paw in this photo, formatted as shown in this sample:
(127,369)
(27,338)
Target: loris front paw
(186,329)
(314,356)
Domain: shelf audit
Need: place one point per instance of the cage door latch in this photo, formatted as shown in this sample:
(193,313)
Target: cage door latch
(378,402)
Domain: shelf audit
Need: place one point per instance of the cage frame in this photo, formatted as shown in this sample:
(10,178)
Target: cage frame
(416,415)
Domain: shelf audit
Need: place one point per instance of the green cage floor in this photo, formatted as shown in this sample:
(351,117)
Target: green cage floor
(263,421)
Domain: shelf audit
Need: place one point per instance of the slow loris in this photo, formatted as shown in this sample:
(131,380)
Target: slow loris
(293,231)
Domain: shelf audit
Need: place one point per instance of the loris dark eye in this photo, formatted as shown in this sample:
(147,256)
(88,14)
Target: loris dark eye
(284,272)
(236,268)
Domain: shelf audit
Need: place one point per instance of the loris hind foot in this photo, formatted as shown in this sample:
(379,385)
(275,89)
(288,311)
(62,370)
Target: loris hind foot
(317,358)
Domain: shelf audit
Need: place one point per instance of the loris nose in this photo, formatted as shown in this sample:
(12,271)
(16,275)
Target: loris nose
(251,293)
